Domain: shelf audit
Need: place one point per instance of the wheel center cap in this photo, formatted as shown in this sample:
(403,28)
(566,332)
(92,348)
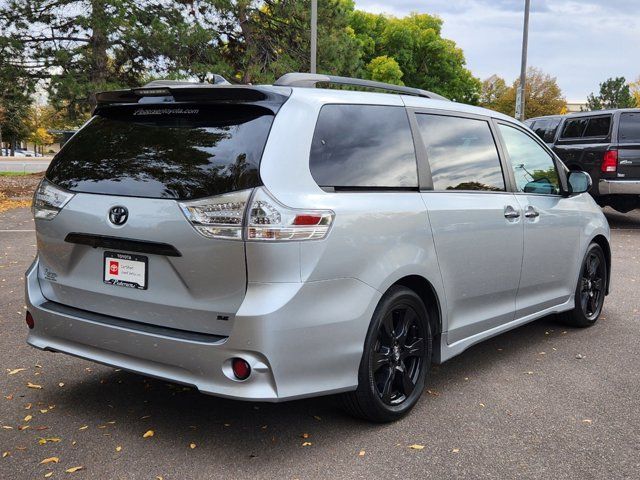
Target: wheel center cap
(396,353)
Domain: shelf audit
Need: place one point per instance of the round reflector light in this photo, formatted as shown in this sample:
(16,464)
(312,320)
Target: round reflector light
(241,368)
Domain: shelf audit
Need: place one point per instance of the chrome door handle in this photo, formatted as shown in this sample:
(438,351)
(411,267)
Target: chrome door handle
(531,212)
(510,212)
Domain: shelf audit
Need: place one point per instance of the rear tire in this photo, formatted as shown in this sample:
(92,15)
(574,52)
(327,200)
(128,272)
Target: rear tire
(395,361)
(591,288)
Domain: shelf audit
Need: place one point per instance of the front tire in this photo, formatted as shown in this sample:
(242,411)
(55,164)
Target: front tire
(591,289)
(396,358)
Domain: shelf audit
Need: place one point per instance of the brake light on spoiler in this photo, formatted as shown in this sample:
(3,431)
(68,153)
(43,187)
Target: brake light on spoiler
(254,215)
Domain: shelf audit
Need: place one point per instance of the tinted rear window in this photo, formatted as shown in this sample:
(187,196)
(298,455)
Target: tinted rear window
(363,146)
(574,128)
(629,131)
(598,127)
(552,127)
(179,152)
(461,152)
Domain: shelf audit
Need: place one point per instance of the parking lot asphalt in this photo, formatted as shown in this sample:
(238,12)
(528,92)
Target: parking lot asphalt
(542,401)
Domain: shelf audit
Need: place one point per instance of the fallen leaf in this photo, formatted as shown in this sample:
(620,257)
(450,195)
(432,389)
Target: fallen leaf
(148,433)
(9,397)
(416,447)
(317,418)
(305,435)
(455,450)
(361,453)
(23,427)
(6,454)
(17,370)
(192,446)
(307,444)
(118,448)
(27,418)
(84,427)
(587,421)
(73,469)
(50,460)
(7,427)
(145,417)
(61,384)
(48,474)
(482,405)
(33,385)
(43,441)
(27,406)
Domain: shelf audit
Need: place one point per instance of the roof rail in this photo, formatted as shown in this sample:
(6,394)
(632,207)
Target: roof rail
(311,79)
(217,80)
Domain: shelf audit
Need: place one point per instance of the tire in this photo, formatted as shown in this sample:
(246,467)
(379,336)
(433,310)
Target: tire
(590,290)
(395,361)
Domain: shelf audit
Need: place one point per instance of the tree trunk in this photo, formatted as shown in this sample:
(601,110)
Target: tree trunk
(98,44)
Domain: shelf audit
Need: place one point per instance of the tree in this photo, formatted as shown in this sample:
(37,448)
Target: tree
(634,89)
(80,47)
(385,69)
(614,93)
(493,89)
(542,96)
(425,59)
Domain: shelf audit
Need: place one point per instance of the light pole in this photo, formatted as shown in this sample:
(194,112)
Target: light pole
(523,65)
(314,34)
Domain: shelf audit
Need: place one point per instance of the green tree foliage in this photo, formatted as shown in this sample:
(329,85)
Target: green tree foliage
(542,95)
(385,69)
(425,58)
(493,89)
(614,93)
(81,47)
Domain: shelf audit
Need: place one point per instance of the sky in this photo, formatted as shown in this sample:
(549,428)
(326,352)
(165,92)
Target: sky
(580,42)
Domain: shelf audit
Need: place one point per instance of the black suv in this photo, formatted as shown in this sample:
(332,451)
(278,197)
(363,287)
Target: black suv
(606,144)
(545,127)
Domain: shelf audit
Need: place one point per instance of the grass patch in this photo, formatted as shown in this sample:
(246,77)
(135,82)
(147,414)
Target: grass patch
(15,174)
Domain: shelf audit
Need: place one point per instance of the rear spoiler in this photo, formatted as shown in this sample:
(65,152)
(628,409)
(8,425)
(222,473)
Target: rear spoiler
(271,98)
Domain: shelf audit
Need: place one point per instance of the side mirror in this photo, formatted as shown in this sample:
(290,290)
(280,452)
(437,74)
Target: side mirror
(579,182)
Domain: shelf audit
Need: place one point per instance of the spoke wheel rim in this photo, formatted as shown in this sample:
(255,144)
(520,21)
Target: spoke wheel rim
(397,355)
(592,284)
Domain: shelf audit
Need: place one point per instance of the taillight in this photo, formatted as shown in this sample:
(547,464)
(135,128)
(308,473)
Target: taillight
(269,220)
(48,200)
(223,216)
(218,217)
(610,161)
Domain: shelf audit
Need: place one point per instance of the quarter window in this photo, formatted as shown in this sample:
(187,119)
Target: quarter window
(598,127)
(629,131)
(462,153)
(534,169)
(363,146)
(574,128)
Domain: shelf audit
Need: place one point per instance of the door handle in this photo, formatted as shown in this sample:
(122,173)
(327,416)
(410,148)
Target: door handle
(510,212)
(531,212)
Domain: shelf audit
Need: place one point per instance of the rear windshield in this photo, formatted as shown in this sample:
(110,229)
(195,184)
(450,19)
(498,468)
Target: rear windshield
(179,151)
(629,131)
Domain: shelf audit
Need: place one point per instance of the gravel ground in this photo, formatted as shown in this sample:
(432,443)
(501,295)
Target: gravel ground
(521,405)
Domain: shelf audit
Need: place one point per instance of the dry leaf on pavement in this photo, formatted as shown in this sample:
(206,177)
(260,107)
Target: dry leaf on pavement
(74,469)
(16,370)
(50,460)
(148,433)
(33,385)
(415,446)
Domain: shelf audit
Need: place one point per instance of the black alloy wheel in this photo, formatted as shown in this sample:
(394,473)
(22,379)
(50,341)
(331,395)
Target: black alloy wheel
(590,290)
(396,358)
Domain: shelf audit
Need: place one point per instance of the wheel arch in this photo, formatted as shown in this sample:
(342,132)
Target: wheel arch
(427,293)
(606,248)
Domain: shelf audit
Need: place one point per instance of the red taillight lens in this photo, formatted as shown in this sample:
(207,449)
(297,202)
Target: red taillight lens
(610,161)
(241,368)
(307,219)
(29,320)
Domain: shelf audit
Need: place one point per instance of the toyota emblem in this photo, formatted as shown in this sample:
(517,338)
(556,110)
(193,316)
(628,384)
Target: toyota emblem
(118,215)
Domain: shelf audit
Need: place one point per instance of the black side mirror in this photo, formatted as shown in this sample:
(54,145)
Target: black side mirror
(579,182)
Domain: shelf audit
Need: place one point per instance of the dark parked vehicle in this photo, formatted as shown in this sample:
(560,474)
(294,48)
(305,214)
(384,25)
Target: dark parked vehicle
(605,144)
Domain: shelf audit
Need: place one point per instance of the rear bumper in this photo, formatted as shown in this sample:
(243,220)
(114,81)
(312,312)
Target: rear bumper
(301,340)
(619,187)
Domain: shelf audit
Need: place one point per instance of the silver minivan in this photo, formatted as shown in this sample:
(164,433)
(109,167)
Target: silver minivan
(276,242)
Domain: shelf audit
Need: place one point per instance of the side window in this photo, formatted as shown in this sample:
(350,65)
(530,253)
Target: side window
(629,131)
(541,127)
(550,134)
(598,127)
(363,146)
(574,128)
(461,152)
(534,168)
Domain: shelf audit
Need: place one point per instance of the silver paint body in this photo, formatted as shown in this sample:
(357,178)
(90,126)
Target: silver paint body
(299,311)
